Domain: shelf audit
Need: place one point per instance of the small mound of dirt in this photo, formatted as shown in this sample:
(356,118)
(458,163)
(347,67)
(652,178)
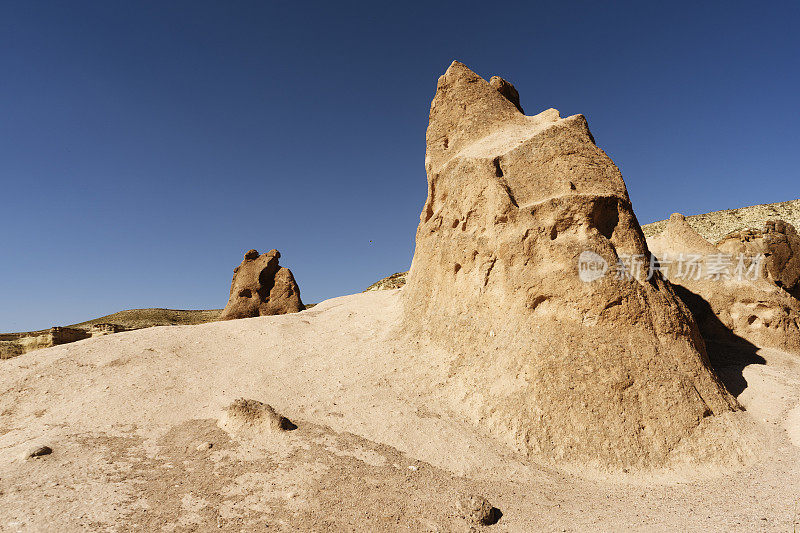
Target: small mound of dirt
(38,451)
(251,418)
(478,510)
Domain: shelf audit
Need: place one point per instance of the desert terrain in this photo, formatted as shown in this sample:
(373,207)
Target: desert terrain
(505,383)
(376,448)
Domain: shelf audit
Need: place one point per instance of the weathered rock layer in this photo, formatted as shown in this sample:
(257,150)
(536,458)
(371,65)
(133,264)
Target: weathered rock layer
(611,371)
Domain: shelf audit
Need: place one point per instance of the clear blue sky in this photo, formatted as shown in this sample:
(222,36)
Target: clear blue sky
(145,146)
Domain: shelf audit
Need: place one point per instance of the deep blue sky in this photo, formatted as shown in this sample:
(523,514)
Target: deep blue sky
(145,146)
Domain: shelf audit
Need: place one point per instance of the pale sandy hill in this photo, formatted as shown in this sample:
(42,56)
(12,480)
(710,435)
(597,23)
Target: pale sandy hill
(715,225)
(129,418)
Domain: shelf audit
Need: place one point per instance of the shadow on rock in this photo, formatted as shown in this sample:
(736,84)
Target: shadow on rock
(728,353)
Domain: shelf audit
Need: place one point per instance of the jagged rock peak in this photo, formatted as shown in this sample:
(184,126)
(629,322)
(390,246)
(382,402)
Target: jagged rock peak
(505,88)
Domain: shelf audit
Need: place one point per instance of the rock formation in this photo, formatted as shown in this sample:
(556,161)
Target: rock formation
(779,243)
(14,344)
(261,287)
(746,287)
(610,372)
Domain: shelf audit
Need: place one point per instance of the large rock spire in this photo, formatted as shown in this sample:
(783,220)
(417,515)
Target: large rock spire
(607,368)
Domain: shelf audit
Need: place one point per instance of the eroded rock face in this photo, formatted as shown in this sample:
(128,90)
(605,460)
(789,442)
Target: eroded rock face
(733,304)
(261,287)
(779,243)
(611,372)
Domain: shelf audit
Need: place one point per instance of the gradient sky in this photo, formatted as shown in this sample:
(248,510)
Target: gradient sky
(145,146)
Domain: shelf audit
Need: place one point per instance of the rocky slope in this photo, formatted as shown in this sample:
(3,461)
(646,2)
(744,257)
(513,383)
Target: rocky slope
(715,225)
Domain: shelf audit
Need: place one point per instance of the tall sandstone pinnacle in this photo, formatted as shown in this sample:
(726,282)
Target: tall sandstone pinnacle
(262,287)
(612,372)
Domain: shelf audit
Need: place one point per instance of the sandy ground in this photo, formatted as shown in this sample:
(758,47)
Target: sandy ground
(376,447)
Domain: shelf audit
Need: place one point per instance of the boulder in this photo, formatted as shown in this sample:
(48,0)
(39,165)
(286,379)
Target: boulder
(610,371)
(261,287)
(744,289)
(38,451)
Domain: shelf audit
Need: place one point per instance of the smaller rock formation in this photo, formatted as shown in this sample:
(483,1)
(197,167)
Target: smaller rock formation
(744,288)
(478,510)
(251,418)
(779,243)
(261,287)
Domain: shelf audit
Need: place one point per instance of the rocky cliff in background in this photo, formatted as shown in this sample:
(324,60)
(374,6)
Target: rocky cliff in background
(716,225)
(741,291)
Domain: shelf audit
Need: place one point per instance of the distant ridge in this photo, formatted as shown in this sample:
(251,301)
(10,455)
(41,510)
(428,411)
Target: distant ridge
(146,318)
(715,225)
(13,344)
